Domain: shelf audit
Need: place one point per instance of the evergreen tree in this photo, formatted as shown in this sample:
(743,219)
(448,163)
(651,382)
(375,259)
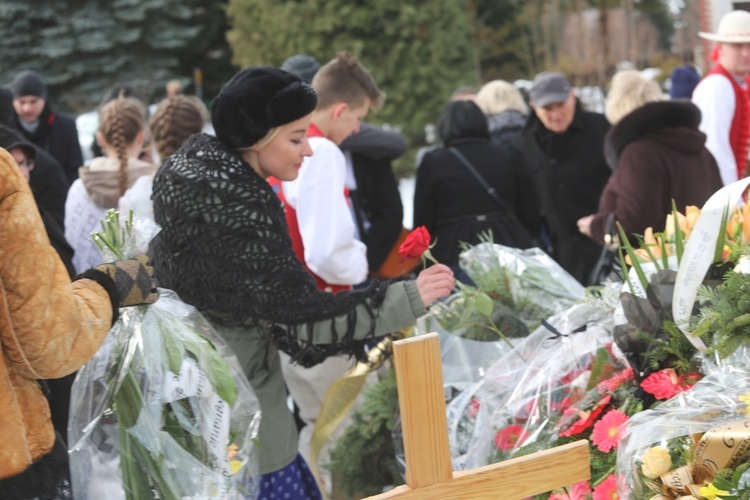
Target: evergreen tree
(418,51)
(83,47)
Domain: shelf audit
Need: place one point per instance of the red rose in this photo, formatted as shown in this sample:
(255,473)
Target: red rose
(415,245)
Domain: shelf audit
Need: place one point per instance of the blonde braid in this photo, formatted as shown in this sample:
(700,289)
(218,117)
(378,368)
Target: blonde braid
(121,121)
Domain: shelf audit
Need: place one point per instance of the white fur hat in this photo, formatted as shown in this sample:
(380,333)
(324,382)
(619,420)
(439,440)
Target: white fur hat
(734,27)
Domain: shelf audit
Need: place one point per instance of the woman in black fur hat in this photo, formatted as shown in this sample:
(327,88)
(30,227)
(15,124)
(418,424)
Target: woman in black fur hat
(225,248)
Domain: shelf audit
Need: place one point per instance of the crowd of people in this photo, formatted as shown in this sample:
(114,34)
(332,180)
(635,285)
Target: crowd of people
(279,225)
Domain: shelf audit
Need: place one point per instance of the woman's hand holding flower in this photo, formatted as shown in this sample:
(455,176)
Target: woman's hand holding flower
(435,282)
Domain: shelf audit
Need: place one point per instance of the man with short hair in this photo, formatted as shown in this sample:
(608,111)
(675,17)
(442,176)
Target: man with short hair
(559,156)
(34,118)
(722,96)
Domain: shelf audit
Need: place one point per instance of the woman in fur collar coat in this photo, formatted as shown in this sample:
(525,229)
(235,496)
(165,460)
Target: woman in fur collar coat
(49,327)
(658,155)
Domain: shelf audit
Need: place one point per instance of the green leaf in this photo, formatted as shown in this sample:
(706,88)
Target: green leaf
(215,366)
(484,304)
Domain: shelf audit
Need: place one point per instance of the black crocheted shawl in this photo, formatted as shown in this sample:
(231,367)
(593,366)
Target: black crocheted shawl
(225,248)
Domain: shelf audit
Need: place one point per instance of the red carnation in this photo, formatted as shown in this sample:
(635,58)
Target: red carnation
(510,437)
(587,418)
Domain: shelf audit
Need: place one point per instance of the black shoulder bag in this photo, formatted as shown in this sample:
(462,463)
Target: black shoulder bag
(607,266)
(520,234)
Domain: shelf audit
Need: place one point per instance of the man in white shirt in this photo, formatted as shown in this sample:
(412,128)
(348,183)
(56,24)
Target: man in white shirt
(723,99)
(320,218)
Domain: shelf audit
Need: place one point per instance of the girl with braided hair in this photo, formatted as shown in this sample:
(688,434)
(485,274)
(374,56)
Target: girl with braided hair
(225,248)
(101,184)
(175,119)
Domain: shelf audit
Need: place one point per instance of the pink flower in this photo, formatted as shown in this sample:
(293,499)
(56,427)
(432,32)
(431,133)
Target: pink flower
(608,431)
(474,408)
(662,384)
(578,491)
(587,418)
(607,489)
(510,437)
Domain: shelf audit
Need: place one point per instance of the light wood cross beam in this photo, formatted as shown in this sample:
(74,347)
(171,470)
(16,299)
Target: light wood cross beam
(429,475)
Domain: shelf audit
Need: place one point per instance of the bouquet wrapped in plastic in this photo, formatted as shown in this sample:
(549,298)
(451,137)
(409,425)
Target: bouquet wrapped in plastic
(527,282)
(538,389)
(515,290)
(695,445)
(163,409)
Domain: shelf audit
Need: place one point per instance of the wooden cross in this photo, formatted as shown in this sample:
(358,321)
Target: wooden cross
(429,474)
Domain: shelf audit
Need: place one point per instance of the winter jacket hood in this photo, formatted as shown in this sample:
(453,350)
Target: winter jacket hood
(681,118)
(102,179)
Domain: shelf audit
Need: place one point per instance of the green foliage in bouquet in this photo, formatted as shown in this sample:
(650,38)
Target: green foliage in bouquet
(475,316)
(730,480)
(672,349)
(145,473)
(724,320)
(364,459)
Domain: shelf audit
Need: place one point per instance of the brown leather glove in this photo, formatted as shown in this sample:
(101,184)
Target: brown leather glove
(133,280)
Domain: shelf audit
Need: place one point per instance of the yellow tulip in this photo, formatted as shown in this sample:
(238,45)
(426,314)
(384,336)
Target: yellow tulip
(669,230)
(692,213)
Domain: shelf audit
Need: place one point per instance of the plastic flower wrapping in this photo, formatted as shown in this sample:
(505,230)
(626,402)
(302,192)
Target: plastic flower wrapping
(163,409)
(695,445)
(527,282)
(538,389)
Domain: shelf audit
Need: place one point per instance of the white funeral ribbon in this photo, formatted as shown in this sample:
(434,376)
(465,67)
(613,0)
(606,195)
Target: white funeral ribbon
(192,381)
(699,254)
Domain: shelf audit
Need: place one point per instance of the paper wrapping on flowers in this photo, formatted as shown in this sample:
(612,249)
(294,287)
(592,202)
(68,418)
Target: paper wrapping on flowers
(696,443)
(530,394)
(163,409)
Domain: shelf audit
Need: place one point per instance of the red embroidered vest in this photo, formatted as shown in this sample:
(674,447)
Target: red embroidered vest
(740,130)
(291,220)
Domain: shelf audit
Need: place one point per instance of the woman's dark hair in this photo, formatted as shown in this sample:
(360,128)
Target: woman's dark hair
(461,120)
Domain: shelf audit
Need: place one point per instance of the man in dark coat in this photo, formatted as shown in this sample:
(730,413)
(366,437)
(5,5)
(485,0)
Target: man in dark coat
(560,155)
(48,181)
(51,131)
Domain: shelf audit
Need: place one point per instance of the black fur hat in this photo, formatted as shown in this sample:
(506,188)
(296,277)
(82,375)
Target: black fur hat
(256,100)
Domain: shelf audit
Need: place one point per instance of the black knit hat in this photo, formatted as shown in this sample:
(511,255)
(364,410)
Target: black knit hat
(28,83)
(302,65)
(256,100)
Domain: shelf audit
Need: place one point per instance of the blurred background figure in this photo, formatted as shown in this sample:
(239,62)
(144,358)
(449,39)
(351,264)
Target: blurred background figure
(122,132)
(658,155)
(505,109)
(174,88)
(451,201)
(683,81)
(34,118)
